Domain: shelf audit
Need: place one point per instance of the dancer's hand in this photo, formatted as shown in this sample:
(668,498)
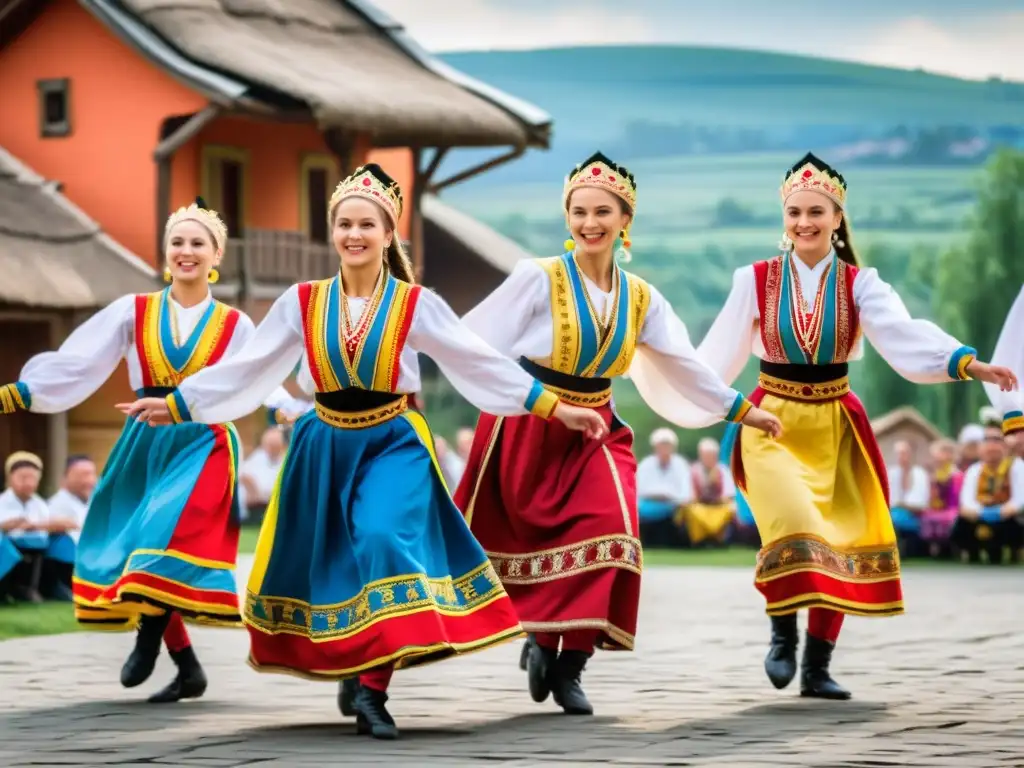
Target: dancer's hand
(766,422)
(1000,375)
(151,410)
(585,420)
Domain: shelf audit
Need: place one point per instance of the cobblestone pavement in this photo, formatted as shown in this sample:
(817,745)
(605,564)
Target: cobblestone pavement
(941,686)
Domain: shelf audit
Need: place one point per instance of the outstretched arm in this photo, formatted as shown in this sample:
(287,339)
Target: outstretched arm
(917,349)
(680,385)
(489,380)
(53,382)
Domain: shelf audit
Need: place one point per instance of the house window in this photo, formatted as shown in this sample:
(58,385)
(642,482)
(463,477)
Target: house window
(54,107)
(225,185)
(318,175)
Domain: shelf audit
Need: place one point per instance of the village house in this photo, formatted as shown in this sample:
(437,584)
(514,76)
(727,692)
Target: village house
(129,108)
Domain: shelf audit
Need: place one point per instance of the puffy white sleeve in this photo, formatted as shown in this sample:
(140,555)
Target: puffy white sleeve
(481,374)
(236,387)
(53,382)
(969,489)
(918,350)
(678,383)
(503,317)
(1009,352)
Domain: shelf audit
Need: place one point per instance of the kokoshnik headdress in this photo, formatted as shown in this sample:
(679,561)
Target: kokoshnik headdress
(598,172)
(202,214)
(371,182)
(815,175)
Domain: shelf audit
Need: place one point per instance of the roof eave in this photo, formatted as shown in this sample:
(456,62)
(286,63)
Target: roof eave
(536,121)
(219,88)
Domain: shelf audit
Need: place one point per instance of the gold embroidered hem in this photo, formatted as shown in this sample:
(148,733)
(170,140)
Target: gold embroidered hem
(621,640)
(398,596)
(613,551)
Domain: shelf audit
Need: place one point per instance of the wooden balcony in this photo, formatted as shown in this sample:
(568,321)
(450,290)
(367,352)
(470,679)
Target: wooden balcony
(263,262)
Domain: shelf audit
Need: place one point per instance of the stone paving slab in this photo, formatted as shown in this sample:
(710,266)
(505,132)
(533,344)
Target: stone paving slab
(941,686)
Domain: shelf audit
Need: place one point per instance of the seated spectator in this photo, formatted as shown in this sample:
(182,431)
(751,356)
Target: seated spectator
(68,508)
(944,501)
(10,557)
(708,518)
(24,520)
(259,472)
(969,445)
(909,495)
(663,488)
(991,502)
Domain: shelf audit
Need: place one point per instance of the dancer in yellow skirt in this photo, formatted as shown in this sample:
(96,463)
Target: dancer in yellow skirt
(818,494)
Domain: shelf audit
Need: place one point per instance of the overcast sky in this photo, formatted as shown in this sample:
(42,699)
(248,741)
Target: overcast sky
(978,39)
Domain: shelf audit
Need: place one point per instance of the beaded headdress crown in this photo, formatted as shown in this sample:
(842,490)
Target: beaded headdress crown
(815,175)
(201,213)
(370,181)
(601,173)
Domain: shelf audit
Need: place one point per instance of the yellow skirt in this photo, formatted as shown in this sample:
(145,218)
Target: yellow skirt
(819,500)
(708,521)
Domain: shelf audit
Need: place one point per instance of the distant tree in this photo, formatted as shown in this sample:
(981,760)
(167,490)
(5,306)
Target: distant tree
(729,213)
(976,284)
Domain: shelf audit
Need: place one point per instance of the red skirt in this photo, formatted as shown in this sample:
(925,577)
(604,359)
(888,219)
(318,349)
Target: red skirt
(556,514)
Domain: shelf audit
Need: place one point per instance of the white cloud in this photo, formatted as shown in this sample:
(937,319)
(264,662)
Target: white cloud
(978,47)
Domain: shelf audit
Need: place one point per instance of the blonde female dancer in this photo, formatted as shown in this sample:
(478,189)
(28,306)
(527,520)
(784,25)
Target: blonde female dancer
(161,536)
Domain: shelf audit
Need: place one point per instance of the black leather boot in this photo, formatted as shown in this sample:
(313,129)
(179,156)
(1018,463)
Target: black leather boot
(190,682)
(780,663)
(815,681)
(347,696)
(372,717)
(524,654)
(540,668)
(142,660)
(565,683)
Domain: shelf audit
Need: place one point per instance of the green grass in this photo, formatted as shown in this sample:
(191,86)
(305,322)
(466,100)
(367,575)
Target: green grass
(27,619)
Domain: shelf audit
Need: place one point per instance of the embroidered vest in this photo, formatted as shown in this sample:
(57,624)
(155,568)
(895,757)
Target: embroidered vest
(581,344)
(994,485)
(825,333)
(165,359)
(368,356)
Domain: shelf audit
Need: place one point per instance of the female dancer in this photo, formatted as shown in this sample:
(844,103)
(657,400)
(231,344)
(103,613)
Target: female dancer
(557,514)
(819,495)
(160,539)
(363,564)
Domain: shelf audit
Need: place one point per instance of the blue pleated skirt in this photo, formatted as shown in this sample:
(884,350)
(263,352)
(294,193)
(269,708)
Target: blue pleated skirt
(364,560)
(162,528)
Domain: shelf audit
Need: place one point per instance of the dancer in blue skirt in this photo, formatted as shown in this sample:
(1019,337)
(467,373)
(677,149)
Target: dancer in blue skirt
(161,536)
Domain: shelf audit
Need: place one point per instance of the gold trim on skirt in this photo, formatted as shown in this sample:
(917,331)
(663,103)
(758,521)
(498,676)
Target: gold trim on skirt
(583,399)
(794,390)
(362,419)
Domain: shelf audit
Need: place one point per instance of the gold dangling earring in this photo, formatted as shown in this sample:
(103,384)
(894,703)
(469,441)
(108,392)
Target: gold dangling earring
(167,275)
(214,276)
(569,245)
(836,241)
(785,244)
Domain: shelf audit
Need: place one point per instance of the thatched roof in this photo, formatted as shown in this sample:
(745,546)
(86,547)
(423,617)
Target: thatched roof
(485,243)
(354,67)
(904,415)
(52,254)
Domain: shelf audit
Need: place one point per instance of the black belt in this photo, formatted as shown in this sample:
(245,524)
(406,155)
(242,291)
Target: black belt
(553,378)
(153,392)
(805,374)
(354,399)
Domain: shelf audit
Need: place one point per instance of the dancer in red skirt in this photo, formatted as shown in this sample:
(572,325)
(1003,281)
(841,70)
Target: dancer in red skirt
(555,512)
